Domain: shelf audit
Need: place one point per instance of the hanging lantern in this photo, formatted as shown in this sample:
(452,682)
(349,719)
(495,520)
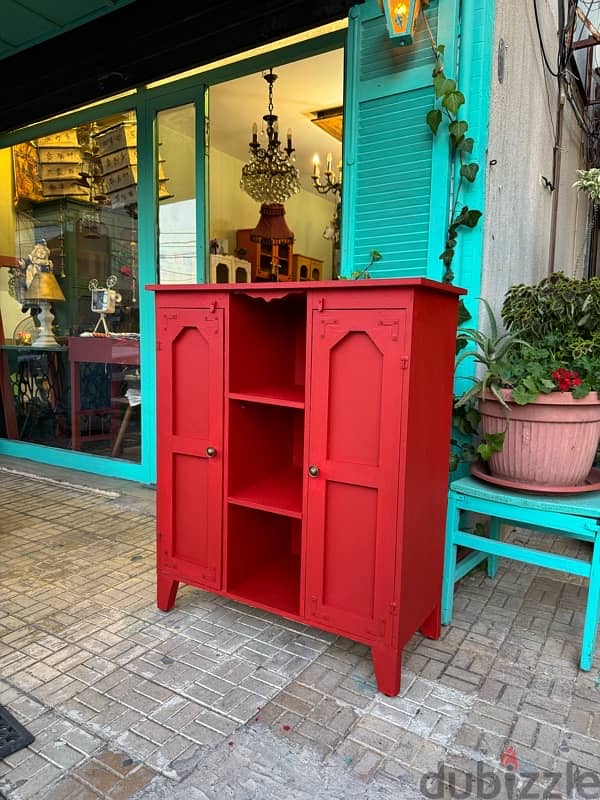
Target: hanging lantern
(401,16)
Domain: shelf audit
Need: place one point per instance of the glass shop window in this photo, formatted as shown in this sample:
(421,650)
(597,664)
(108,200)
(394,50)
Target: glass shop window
(275,172)
(176,170)
(69,293)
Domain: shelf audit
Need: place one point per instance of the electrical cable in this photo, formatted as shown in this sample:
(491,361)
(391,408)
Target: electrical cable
(541,40)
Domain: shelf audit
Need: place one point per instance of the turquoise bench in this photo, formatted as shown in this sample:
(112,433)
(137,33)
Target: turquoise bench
(573,515)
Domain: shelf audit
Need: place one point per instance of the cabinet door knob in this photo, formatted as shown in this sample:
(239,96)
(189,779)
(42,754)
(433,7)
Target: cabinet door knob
(211,452)
(313,471)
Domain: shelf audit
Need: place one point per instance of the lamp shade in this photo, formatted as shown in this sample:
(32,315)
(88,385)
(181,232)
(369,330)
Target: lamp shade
(401,16)
(44,287)
(272,227)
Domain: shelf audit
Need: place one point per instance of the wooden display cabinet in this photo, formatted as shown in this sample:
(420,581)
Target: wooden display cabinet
(262,257)
(307,474)
(305,268)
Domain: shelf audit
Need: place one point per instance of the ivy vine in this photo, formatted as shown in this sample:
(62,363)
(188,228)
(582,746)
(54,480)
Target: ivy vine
(448,102)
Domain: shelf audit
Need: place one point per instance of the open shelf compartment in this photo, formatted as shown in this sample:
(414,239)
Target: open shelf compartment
(263,559)
(267,356)
(266,445)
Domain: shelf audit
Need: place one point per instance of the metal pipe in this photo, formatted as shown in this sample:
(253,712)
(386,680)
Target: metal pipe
(557,151)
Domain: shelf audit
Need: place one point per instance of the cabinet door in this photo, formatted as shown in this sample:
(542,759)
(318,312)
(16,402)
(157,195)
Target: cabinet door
(190,443)
(358,364)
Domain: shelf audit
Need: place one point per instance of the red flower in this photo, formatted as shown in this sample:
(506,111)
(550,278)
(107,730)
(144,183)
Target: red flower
(566,379)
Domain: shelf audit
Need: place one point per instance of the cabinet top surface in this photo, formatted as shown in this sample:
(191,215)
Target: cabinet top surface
(288,287)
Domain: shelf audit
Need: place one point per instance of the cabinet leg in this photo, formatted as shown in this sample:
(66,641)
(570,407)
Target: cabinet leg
(387,664)
(166,592)
(432,627)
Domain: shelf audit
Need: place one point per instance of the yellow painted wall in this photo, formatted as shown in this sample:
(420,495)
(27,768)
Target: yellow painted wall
(10,309)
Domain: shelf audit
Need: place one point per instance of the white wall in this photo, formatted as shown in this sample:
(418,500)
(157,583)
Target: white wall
(307,213)
(517,221)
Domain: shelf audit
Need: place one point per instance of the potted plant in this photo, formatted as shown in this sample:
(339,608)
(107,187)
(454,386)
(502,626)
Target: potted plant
(536,389)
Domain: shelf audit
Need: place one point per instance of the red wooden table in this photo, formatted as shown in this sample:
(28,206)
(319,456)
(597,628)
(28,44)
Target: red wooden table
(95,350)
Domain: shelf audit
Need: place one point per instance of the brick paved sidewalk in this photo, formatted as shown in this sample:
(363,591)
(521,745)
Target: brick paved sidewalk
(218,700)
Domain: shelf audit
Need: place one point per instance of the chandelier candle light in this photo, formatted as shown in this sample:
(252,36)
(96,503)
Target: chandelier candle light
(332,182)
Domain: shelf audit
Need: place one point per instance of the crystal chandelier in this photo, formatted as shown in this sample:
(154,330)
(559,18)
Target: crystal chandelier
(270,176)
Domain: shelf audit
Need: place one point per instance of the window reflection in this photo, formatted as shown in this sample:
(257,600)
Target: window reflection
(74,202)
(177,213)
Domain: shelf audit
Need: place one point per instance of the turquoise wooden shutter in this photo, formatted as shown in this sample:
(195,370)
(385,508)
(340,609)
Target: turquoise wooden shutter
(397,176)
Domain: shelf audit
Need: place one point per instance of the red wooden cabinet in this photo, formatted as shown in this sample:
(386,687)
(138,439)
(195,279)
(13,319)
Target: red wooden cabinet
(303,444)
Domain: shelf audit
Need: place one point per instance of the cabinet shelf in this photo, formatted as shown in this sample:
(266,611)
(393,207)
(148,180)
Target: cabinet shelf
(280,494)
(274,586)
(263,559)
(288,396)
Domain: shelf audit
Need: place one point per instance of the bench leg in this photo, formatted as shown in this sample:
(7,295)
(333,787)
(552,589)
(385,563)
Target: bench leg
(590,625)
(492,561)
(450,549)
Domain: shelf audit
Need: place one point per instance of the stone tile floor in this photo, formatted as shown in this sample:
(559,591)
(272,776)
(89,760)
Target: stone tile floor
(219,700)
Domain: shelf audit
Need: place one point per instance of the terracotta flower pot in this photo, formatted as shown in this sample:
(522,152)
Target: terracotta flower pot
(552,441)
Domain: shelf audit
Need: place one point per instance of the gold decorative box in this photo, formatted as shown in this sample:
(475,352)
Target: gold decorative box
(59,188)
(123,197)
(117,138)
(121,178)
(59,155)
(118,160)
(63,139)
(59,171)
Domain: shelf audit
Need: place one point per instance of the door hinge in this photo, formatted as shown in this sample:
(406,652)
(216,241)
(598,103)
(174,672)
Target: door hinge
(404,362)
(158,344)
(393,609)
(321,304)
(166,318)
(394,324)
(315,609)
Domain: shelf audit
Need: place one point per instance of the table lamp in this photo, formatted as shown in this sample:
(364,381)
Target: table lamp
(43,291)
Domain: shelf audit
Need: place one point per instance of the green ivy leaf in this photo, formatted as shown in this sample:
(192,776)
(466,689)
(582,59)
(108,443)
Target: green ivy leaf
(466,145)
(434,118)
(446,257)
(453,100)
(493,444)
(458,128)
(463,312)
(468,217)
(444,86)
(469,171)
